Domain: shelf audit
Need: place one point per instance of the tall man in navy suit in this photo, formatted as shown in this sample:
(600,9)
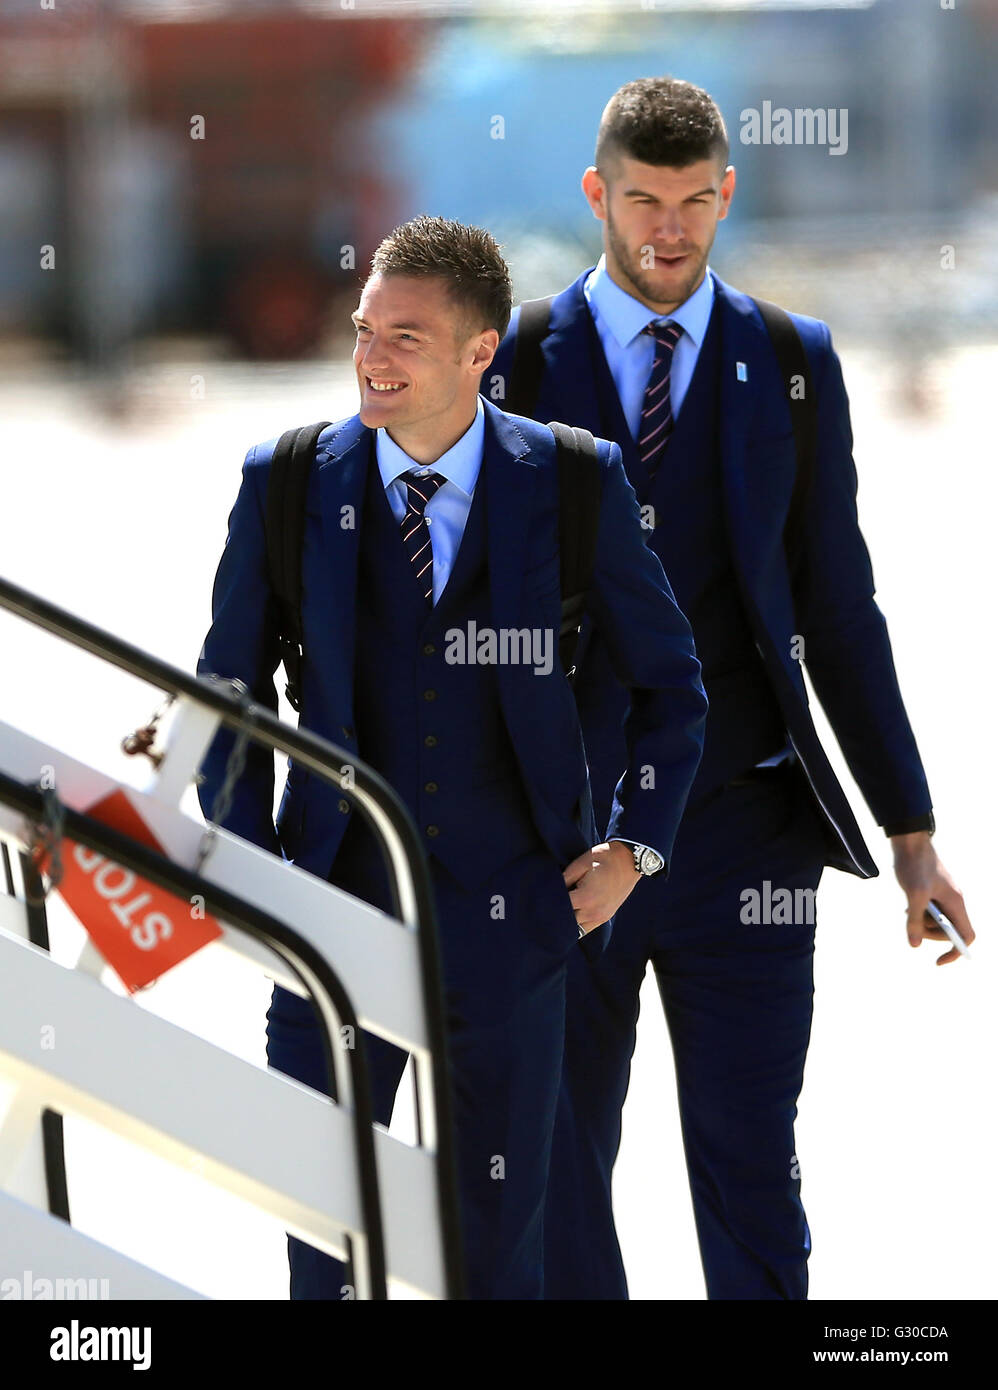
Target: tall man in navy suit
(431,515)
(651,349)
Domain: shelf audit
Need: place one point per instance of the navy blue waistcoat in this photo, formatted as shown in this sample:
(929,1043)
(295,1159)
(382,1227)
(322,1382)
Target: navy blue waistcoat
(433,728)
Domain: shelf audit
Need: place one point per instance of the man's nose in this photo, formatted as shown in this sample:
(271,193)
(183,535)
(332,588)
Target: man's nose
(670,226)
(373,353)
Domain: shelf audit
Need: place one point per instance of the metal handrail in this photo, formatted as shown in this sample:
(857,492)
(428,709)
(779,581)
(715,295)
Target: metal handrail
(311,968)
(385,813)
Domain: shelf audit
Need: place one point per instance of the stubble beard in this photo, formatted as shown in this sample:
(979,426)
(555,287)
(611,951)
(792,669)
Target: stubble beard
(644,281)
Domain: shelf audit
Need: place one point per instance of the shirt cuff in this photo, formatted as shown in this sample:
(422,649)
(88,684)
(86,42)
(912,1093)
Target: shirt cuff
(635,844)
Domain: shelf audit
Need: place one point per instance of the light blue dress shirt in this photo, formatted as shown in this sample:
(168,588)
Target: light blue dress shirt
(448,508)
(630,352)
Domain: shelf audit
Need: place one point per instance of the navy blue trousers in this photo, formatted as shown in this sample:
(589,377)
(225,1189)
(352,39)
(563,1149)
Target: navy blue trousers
(504,991)
(737,995)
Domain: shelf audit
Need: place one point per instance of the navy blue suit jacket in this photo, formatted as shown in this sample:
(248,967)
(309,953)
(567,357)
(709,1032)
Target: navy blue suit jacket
(831,604)
(630,602)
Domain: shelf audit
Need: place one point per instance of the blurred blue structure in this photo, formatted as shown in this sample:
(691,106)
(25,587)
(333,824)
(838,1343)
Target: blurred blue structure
(489,116)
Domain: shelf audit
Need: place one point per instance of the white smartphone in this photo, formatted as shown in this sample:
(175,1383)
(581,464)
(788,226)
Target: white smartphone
(941,920)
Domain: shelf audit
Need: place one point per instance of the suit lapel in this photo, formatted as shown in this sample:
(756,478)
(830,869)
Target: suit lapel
(510,477)
(573,356)
(613,423)
(343,461)
(746,497)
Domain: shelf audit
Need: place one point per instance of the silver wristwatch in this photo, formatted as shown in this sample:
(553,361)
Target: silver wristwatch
(647,861)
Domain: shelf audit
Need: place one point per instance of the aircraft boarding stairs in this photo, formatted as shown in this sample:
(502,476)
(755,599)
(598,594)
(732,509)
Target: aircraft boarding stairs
(70,1046)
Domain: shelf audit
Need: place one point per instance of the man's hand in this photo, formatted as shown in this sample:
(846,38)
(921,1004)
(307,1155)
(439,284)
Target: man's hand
(601,878)
(923,877)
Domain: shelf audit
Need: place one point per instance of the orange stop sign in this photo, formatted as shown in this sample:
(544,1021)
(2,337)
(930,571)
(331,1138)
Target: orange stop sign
(139,929)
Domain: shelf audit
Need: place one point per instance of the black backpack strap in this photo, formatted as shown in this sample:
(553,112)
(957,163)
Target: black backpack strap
(793,362)
(579,488)
(527,370)
(284,526)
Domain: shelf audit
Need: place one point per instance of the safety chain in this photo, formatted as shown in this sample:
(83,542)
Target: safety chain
(234,768)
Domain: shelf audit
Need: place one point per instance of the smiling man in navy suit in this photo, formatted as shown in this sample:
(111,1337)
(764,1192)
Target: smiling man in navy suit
(428,512)
(651,349)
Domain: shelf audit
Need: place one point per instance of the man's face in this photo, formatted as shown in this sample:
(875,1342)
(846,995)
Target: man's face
(659,224)
(417,365)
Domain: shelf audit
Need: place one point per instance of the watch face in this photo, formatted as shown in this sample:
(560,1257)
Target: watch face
(650,861)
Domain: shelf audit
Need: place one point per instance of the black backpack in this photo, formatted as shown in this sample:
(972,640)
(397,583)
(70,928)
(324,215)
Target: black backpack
(294,454)
(528,370)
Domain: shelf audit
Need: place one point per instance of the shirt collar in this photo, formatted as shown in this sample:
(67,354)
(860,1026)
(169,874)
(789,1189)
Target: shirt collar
(460,465)
(626,316)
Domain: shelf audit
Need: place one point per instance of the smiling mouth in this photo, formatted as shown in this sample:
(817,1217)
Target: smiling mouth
(386,388)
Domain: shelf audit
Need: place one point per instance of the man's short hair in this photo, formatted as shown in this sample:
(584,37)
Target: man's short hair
(466,258)
(661,120)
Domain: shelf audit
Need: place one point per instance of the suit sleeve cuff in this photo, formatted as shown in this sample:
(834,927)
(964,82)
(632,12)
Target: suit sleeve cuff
(911,825)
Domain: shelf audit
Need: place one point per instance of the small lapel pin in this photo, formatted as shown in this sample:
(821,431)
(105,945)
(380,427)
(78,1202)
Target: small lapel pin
(741,371)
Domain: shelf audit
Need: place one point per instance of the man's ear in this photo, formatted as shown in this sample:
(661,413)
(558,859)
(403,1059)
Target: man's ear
(486,349)
(595,189)
(727,192)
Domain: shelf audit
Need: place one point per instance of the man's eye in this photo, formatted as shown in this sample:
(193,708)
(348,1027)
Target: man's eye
(361,331)
(407,335)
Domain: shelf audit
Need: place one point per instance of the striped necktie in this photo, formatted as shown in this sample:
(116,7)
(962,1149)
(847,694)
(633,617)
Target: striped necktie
(656,410)
(415,532)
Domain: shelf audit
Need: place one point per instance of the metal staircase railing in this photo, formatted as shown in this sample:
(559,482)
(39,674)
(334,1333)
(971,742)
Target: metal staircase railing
(350,1188)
